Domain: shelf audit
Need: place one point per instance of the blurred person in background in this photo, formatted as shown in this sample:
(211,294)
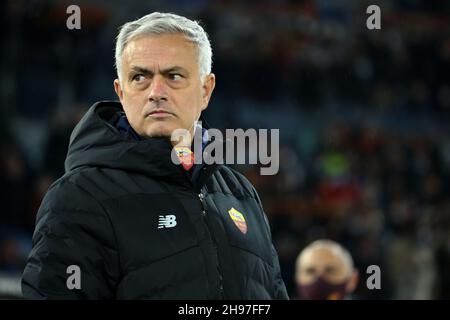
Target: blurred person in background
(325,271)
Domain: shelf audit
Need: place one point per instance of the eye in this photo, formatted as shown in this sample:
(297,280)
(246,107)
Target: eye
(175,76)
(330,270)
(138,78)
(310,271)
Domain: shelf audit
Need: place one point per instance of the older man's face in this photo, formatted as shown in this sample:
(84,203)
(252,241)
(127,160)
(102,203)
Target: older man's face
(161,89)
(322,262)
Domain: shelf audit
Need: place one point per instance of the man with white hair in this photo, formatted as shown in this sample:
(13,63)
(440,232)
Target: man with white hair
(125,221)
(324,271)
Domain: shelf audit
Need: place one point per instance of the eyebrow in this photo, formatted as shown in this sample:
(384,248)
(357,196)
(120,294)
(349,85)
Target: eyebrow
(145,71)
(327,268)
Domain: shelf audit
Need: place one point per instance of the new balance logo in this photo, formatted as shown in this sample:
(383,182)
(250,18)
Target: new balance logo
(168,221)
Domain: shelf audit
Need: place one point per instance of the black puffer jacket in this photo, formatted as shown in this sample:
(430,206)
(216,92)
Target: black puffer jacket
(138,226)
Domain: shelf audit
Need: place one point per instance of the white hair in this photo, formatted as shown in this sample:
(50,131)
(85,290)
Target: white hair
(157,23)
(334,247)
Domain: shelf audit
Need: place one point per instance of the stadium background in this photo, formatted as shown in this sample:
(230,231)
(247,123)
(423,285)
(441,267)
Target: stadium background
(363,118)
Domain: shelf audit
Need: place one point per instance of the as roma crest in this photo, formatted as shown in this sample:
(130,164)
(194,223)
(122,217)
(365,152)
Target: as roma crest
(238,219)
(186,157)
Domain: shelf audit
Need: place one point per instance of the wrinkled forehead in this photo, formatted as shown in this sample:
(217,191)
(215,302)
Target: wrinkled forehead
(160,51)
(321,258)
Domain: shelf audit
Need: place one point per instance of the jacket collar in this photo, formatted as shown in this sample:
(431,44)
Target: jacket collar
(97,142)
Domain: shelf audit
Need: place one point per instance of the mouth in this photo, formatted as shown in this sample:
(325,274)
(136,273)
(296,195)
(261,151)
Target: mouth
(159,113)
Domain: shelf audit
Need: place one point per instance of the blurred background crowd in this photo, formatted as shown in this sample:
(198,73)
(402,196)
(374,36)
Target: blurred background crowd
(363,118)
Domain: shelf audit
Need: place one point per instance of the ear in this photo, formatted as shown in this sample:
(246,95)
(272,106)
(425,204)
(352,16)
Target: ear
(207,89)
(353,282)
(118,89)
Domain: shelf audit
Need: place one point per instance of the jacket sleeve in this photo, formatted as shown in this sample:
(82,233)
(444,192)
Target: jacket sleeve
(74,253)
(280,292)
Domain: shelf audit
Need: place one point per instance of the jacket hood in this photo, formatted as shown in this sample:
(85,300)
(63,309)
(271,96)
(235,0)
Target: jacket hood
(96,142)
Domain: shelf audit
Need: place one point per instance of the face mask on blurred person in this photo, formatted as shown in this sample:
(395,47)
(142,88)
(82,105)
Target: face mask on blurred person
(322,290)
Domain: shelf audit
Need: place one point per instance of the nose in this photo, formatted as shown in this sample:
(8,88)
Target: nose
(158,89)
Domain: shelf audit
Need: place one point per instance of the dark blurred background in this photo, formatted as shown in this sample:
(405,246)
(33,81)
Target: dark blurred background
(363,118)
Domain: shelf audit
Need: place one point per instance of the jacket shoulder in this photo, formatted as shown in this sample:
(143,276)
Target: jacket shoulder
(66,195)
(103,183)
(64,192)
(229,180)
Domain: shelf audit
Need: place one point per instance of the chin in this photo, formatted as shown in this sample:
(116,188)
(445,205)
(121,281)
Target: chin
(159,131)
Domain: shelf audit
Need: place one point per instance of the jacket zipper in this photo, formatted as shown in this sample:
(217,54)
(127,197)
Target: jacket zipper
(201,197)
